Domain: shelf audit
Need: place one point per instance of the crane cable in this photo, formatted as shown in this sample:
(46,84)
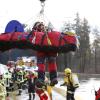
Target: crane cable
(42,15)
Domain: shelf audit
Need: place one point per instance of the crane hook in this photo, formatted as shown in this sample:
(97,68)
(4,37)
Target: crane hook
(42,5)
(42,0)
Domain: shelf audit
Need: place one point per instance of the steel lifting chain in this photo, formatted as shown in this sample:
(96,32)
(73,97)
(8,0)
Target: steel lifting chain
(42,5)
(42,0)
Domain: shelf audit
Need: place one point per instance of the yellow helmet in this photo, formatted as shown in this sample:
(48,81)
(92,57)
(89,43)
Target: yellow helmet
(67,71)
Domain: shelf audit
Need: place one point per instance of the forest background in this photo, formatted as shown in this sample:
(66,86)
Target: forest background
(86,59)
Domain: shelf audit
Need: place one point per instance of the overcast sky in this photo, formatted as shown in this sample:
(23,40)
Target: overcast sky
(57,11)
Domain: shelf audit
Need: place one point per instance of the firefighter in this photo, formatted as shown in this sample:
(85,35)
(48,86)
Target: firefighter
(52,67)
(31,76)
(50,57)
(2,87)
(7,77)
(72,83)
(19,79)
(19,74)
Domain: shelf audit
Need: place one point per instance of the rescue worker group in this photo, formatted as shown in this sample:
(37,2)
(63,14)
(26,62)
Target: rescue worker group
(22,74)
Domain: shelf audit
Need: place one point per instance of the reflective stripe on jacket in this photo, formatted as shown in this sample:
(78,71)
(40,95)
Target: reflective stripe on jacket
(73,80)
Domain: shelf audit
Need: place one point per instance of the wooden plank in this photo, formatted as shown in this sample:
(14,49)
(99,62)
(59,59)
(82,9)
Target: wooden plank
(60,91)
(63,93)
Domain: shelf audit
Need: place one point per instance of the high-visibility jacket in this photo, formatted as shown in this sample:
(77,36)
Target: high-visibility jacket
(20,76)
(2,90)
(72,82)
(7,77)
(73,79)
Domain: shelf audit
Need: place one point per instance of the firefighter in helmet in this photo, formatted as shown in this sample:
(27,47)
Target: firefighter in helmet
(50,57)
(19,74)
(31,75)
(72,82)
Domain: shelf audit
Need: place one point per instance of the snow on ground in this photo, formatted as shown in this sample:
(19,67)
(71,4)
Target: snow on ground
(84,92)
(57,96)
(86,89)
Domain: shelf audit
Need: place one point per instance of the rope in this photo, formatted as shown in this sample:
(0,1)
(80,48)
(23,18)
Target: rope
(42,9)
(63,93)
(60,91)
(41,17)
